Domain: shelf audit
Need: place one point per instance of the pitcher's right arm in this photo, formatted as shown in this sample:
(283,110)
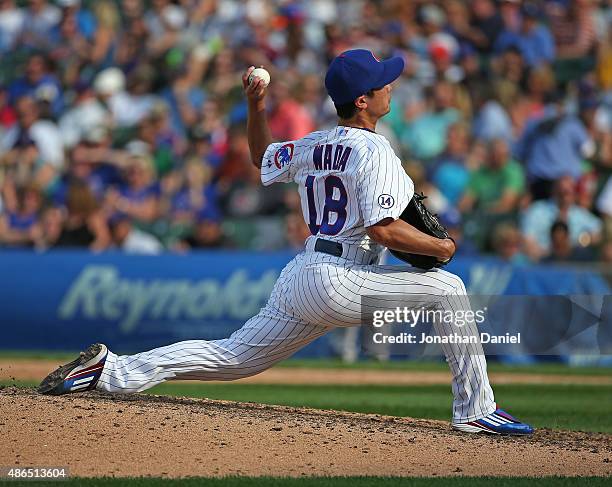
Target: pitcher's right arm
(258,131)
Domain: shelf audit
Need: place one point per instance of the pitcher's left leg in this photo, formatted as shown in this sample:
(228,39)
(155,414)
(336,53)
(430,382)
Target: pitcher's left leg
(264,340)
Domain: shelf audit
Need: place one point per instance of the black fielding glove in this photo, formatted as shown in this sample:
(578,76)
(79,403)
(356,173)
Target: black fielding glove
(417,215)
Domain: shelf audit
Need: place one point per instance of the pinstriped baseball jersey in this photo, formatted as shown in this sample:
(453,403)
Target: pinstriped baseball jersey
(348,179)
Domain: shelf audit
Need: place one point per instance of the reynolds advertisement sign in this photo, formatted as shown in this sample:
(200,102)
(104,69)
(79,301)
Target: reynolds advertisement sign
(100,293)
(65,300)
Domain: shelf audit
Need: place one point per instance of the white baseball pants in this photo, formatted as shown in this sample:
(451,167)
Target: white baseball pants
(314,293)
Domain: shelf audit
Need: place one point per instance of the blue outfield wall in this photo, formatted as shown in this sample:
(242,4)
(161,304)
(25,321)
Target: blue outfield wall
(64,300)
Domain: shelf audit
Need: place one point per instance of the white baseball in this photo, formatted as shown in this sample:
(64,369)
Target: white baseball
(260,73)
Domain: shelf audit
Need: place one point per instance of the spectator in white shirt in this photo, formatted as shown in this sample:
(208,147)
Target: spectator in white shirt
(87,114)
(134,241)
(11,23)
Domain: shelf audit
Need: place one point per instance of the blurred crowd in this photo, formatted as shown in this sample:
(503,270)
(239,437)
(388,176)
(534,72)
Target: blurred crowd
(122,122)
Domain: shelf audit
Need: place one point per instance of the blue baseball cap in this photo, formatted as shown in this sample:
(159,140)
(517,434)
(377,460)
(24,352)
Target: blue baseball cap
(354,73)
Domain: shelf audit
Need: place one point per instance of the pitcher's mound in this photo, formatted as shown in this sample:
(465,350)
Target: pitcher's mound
(96,434)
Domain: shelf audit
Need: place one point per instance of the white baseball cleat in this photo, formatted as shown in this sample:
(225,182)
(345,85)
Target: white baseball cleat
(498,422)
(82,374)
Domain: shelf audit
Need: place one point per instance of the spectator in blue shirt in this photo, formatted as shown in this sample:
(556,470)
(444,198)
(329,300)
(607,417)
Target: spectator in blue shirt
(138,198)
(97,175)
(38,83)
(533,40)
(195,195)
(86,22)
(491,120)
(449,172)
(20,223)
(551,147)
(538,219)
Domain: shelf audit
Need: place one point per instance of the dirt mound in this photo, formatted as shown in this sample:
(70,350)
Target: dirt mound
(98,434)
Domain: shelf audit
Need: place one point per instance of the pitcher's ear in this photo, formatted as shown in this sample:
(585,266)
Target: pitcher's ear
(361,102)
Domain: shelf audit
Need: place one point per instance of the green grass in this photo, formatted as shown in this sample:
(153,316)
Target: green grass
(434,366)
(63,356)
(335,482)
(558,406)
(407,365)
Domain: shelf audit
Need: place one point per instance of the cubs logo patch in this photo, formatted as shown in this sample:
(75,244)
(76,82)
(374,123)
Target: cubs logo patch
(284,155)
(386,201)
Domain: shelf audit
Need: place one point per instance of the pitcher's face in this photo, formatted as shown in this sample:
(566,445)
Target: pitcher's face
(379,103)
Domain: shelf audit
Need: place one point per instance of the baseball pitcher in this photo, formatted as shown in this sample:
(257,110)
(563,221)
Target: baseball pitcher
(355,196)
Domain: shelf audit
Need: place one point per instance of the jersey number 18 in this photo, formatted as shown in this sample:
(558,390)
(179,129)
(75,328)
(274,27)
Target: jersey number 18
(332,205)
